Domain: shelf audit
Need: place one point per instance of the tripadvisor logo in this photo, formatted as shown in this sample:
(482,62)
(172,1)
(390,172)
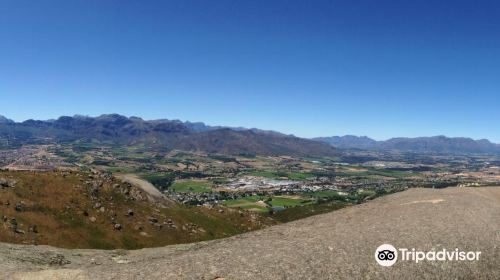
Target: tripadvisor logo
(387,255)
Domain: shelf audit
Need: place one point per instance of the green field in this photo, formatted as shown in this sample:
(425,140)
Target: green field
(252,202)
(288,201)
(197,186)
(248,203)
(380,172)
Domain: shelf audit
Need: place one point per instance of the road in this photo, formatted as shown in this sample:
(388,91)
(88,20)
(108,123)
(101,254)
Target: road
(336,245)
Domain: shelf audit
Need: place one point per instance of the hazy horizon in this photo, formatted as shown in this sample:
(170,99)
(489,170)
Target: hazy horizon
(239,126)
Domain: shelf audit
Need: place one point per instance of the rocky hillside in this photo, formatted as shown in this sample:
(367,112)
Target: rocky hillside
(161,135)
(84,210)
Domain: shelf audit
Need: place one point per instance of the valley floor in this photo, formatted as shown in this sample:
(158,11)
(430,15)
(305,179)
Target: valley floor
(336,245)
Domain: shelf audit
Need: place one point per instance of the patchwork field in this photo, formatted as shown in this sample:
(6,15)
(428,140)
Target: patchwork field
(195,186)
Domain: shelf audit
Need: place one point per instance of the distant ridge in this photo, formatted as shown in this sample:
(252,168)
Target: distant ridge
(349,142)
(160,135)
(435,144)
(164,135)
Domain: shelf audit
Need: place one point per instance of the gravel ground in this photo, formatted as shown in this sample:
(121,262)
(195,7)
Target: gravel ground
(337,245)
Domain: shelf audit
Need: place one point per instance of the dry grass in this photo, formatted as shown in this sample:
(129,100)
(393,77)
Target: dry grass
(61,208)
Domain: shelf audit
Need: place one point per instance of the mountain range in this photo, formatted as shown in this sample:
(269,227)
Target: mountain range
(161,135)
(165,135)
(436,144)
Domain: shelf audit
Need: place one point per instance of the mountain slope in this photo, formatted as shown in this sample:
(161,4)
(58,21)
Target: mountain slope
(161,135)
(349,141)
(4,120)
(436,144)
(228,141)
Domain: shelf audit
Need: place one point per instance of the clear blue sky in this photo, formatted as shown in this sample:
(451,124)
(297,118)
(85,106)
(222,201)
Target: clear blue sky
(311,68)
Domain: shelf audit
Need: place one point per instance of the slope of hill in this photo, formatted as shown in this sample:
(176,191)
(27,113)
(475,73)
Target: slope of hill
(228,141)
(336,245)
(160,134)
(4,120)
(436,144)
(82,210)
(349,142)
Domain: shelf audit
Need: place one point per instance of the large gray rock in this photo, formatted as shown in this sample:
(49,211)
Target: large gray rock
(5,183)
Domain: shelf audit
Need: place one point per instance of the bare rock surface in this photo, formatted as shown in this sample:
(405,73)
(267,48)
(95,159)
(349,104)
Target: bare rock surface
(149,188)
(337,245)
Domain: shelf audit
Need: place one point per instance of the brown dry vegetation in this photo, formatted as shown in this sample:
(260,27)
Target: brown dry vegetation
(61,207)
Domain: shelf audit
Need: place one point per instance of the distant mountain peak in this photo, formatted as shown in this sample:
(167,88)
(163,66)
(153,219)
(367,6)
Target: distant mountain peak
(5,120)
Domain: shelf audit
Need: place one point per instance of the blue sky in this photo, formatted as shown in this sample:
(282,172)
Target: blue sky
(311,68)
